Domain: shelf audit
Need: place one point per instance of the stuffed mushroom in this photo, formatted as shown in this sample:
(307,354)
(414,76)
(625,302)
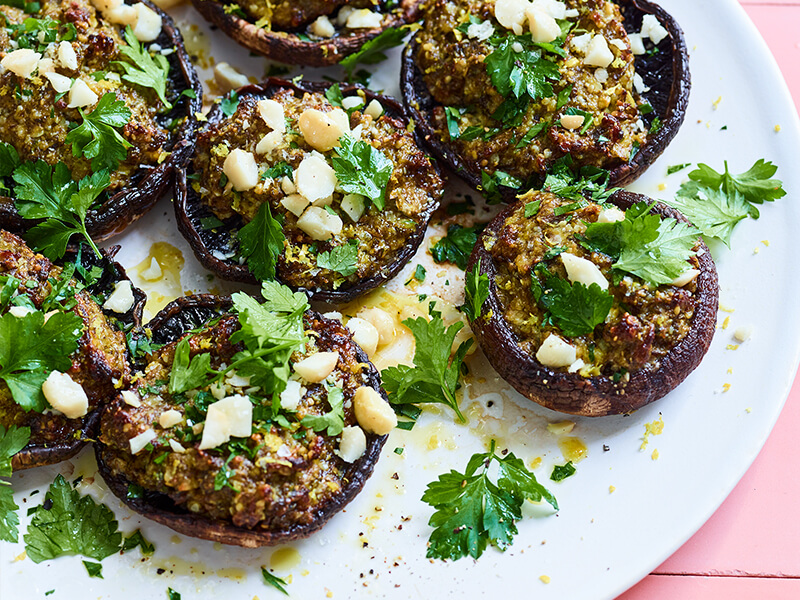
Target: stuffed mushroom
(251,428)
(593,308)
(320,186)
(64,345)
(502,89)
(308,32)
(102,94)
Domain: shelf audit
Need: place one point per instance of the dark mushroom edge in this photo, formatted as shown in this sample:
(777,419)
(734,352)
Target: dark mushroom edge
(193,312)
(295,47)
(596,395)
(664,70)
(149,182)
(54,437)
(211,246)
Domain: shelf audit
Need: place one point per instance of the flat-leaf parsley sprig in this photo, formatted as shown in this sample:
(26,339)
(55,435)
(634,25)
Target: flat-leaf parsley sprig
(472,511)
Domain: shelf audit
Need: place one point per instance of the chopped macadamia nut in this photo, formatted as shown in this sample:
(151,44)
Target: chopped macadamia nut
(65,395)
(353,444)
(317,367)
(21,62)
(373,413)
(555,352)
(241,169)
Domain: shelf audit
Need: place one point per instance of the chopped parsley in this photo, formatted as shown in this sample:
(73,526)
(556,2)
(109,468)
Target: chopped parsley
(476,292)
(715,202)
(143,69)
(68,523)
(644,244)
(229,104)
(333,421)
(362,169)
(672,169)
(435,374)
(340,259)
(97,137)
(93,569)
(561,472)
(575,308)
(563,180)
(457,245)
(274,581)
(12,440)
(490,185)
(137,540)
(261,242)
(372,52)
(472,511)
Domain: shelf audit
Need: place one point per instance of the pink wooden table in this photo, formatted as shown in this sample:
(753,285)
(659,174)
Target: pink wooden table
(750,548)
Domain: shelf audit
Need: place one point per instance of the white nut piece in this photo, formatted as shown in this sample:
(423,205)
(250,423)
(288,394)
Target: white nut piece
(65,395)
(581,42)
(319,224)
(80,95)
(339,116)
(686,277)
(511,14)
(295,204)
(365,334)
(555,352)
(317,367)
(20,311)
(652,28)
(131,399)
(148,23)
(611,215)
(322,27)
(121,299)
(230,417)
(580,270)
(382,321)
(373,413)
(59,82)
(353,206)
(176,446)
(352,102)
(241,169)
(67,56)
(169,418)
(743,333)
(152,272)
(572,121)
(364,18)
(273,114)
(139,442)
(269,142)
(124,14)
(598,54)
(637,44)
(228,78)
(374,109)
(21,62)
(353,444)
(543,27)
(320,130)
(315,178)
(46,65)
(291,395)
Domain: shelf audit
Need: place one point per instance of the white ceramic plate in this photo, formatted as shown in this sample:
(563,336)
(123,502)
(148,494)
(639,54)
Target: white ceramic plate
(600,543)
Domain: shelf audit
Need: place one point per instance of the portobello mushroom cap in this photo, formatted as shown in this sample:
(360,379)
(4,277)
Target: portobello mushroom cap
(144,185)
(102,356)
(664,70)
(168,326)
(293,46)
(596,395)
(216,247)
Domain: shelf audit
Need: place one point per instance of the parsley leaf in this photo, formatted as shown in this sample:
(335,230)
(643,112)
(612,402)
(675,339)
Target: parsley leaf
(172,594)
(93,569)
(46,192)
(362,169)
(137,540)
(31,349)
(473,512)
(372,52)
(457,245)
(334,95)
(712,211)
(72,524)
(12,440)
(523,73)
(435,374)
(490,185)
(341,259)
(188,373)
(281,169)
(755,184)
(261,242)
(9,159)
(96,138)
(273,580)
(476,292)
(229,104)
(144,70)
(562,180)
(575,308)
(645,245)
(561,472)
(333,421)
